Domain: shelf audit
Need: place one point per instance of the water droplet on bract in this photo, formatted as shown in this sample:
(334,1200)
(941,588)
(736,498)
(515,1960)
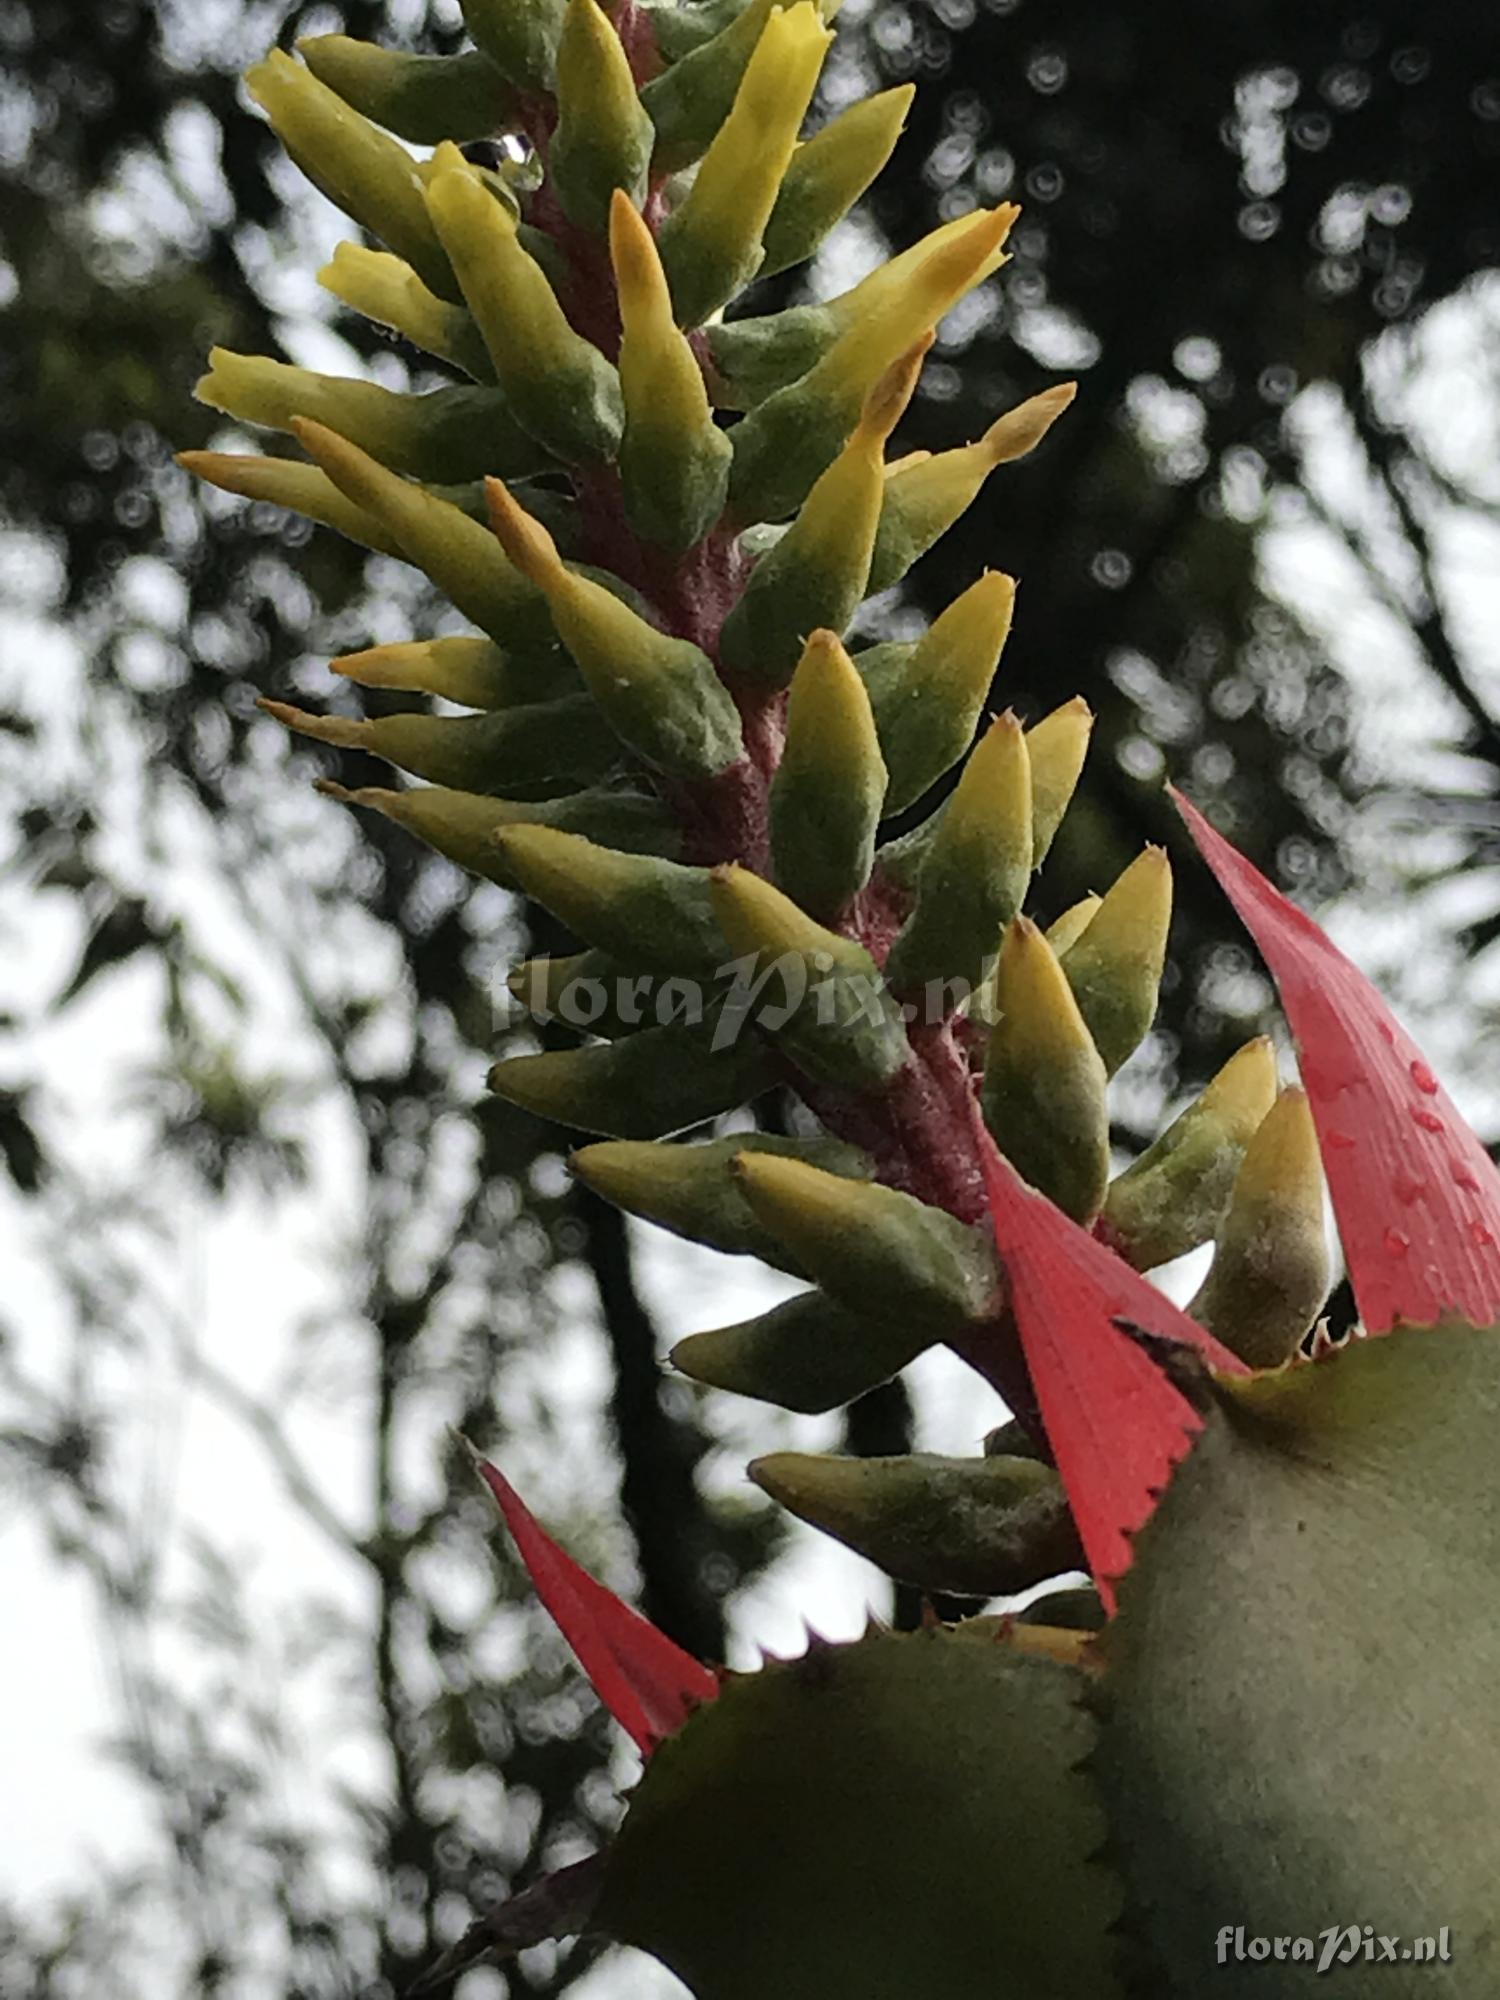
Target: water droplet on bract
(1465,1177)
(1408,1189)
(1480,1234)
(1396,1245)
(1428,1120)
(1339,1142)
(1424,1079)
(1388,1034)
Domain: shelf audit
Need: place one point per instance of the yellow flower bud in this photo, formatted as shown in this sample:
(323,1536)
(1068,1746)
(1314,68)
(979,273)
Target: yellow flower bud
(604,135)
(1057,746)
(1115,968)
(287,482)
(558,384)
(362,170)
(828,790)
(711,243)
(421,98)
(660,694)
(1045,1093)
(387,290)
(827,175)
(674,459)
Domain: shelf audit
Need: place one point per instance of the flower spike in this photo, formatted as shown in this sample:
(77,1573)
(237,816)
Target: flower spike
(649,1685)
(1416,1196)
(1116,1424)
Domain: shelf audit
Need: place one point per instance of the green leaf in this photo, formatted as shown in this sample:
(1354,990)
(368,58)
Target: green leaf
(897,1818)
(1300,1704)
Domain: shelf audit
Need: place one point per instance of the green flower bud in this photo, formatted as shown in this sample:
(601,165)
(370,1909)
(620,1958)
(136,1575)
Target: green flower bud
(1057,746)
(752,358)
(827,793)
(385,289)
(559,386)
(1270,1273)
(690,102)
(787,440)
(711,242)
(546,747)
(692,1190)
(445,434)
(979,1527)
(287,482)
(678,30)
(520,37)
(928,700)
(362,170)
(827,175)
(462,558)
(1115,968)
(1176,1194)
(820,995)
(871,1248)
(1045,1094)
(644,1086)
(674,459)
(926,495)
(475,673)
(806,1354)
(604,134)
(661,695)
(590,990)
(815,575)
(421,98)
(976,870)
(462,825)
(654,914)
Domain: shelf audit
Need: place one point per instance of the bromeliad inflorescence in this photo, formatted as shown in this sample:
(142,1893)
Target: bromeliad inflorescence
(659,520)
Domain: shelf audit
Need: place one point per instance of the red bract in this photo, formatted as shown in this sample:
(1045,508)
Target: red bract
(648,1684)
(1416,1196)
(1116,1424)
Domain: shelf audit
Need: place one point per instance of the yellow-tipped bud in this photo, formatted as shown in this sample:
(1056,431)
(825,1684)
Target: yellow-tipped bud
(604,134)
(694,96)
(647,912)
(560,387)
(287,482)
(807,1354)
(519,37)
(660,694)
(1116,966)
(643,1086)
(443,435)
(815,575)
(984,1009)
(928,705)
(545,747)
(387,290)
(871,1248)
(462,558)
(980,1527)
(1270,1272)
(827,793)
(421,98)
(460,825)
(463,826)
(783,444)
(975,872)
(1045,1093)
(923,501)
(362,170)
(828,174)
(1058,745)
(1074,921)
(674,459)
(711,243)
(694,1191)
(1175,1195)
(473,672)
(818,993)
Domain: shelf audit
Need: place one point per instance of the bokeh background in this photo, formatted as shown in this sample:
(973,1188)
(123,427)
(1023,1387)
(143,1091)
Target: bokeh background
(277,1718)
